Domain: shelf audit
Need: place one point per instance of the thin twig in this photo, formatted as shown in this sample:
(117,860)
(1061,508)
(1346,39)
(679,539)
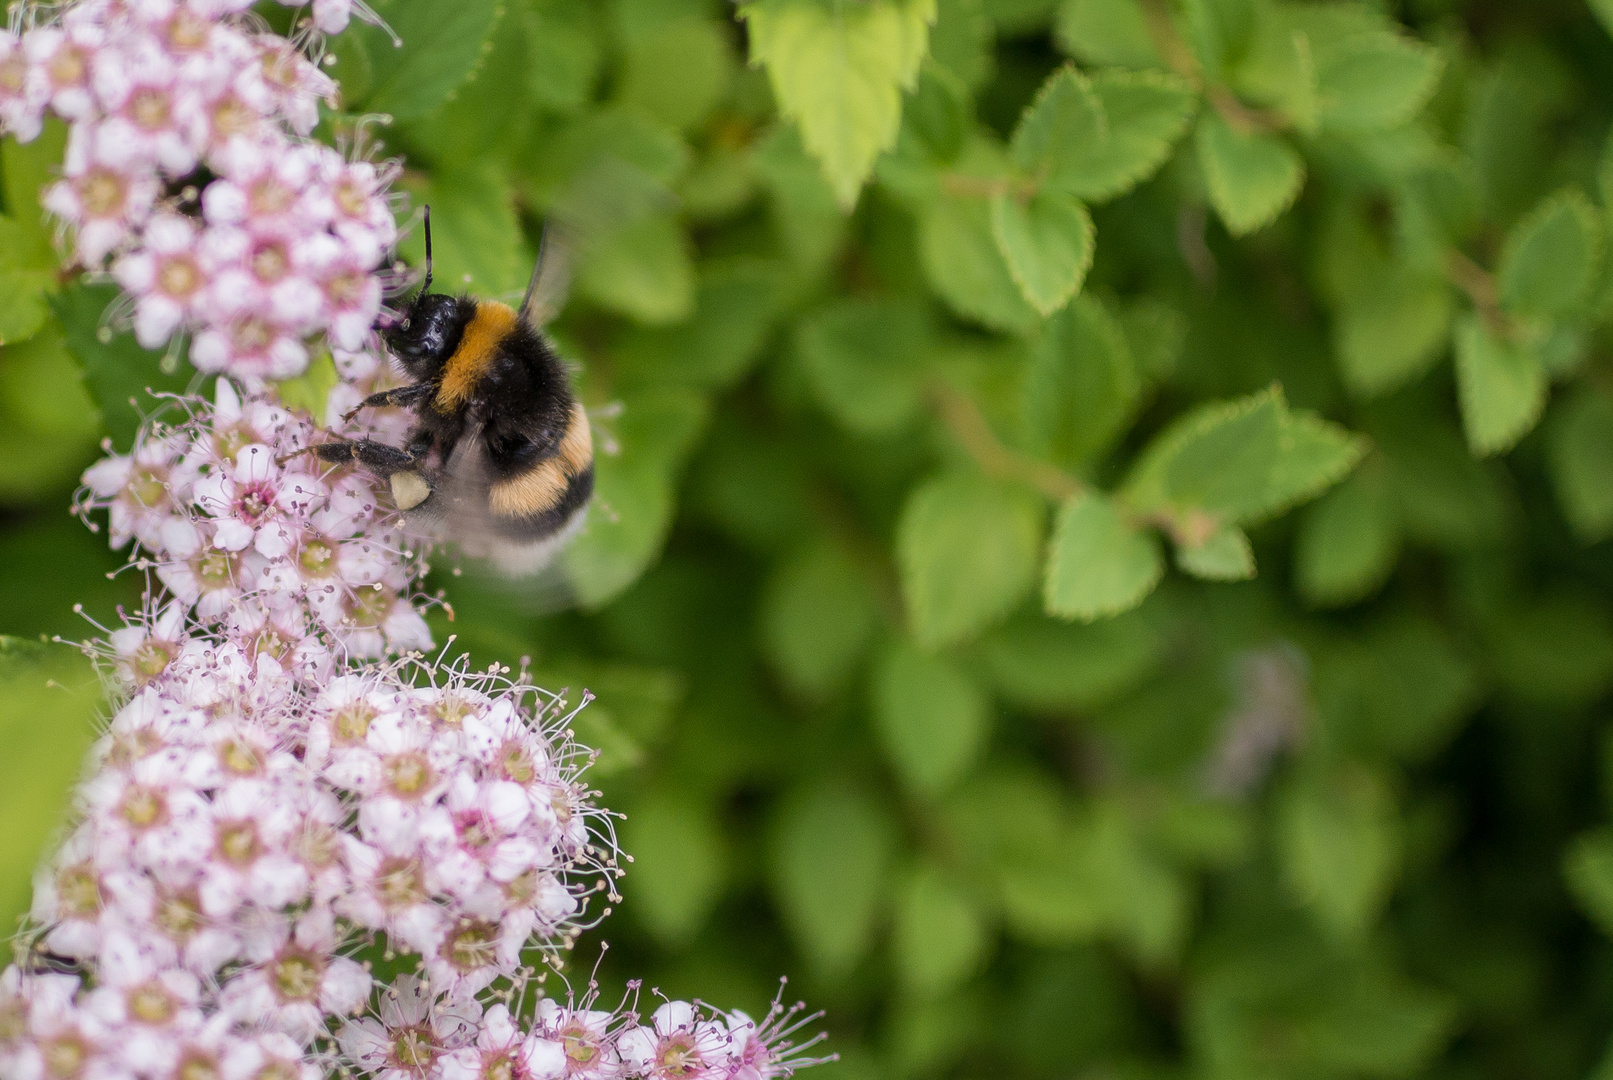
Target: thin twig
(963,418)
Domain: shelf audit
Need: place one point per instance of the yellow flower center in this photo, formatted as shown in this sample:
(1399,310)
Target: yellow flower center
(215,569)
(179,915)
(64,1057)
(401,882)
(66,68)
(352,722)
(142,807)
(179,277)
(318,559)
(14,72)
(270,263)
(474,945)
(408,774)
(238,842)
(149,108)
(296,976)
(151,1004)
(241,758)
(78,891)
(102,193)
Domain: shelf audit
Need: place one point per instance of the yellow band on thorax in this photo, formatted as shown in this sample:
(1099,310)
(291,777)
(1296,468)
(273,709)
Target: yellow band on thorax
(492,322)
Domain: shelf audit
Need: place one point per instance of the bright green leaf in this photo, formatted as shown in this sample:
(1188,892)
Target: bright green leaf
(967,549)
(1224,555)
(1501,386)
(1375,80)
(475,236)
(1588,868)
(839,70)
(817,615)
(1047,665)
(1551,258)
(1047,243)
(1106,33)
(865,361)
(1252,177)
(442,43)
(1099,564)
(831,858)
(679,862)
(1392,329)
(1348,540)
(1338,839)
(931,717)
(964,266)
(1081,386)
(940,934)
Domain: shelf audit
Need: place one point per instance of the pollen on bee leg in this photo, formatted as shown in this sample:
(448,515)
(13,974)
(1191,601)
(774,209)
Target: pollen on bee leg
(409,489)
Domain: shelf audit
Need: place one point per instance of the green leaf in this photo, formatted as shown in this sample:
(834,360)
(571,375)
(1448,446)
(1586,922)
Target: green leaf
(633,499)
(564,54)
(1338,840)
(831,860)
(865,361)
(1603,10)
(1588,868)
(310,391)
(1392,329)
(838,70)
(940,934)
(443,42)
(48,424)
(1501,386)
(642,269)
(1099,564)
(817,616)
(1050,666)
(932,719)
(1241,461)
(1081,386)
(736,305)
(49,697)
(678,72)
(967,550)
(1047,243)
(24,303)
(1553,650)
(1106,33)
(1580,461)
(1098,138)
(1252,177)
(804,210)
(1374,80)
(1551,258)
(1348,540)
(117,371)
(679,863)
(965,267)
(1224,555)
(475,236)
(26,169)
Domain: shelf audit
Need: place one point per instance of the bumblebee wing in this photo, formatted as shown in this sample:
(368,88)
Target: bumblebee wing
(493,569)
(551,277)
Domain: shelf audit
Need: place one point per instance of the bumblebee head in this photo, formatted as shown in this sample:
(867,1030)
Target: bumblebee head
(427,334)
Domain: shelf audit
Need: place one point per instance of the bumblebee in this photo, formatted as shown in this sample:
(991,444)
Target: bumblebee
(501,459)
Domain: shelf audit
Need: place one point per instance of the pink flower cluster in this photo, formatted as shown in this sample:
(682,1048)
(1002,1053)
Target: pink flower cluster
(189,167)
(244,833)
(243,527)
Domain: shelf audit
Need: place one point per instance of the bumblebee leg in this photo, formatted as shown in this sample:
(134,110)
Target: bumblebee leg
(377,457)
(397,397)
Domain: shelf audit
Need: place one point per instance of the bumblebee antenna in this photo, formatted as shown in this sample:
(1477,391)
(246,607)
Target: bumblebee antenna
(425,286)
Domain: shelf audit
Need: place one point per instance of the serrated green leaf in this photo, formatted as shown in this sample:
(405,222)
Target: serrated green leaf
(679,863)
(1374,80)
(655,433)
(1580,461)
(967,550)
(865,361)
(1047,665)
(966,269)
(1241,461)
(838,71)
(1047,242)
(1391,329)
(26,169)
(117,371)
(1106,33)
(940,933)
(442,42)
(48,424)
(1551,258)
(642,269)
(565,54)
(1348,540)
(1338,839)
(817,615)
(1099,564)
(1225,555)
(1081,386)
(24,303)
(49,696)
(1252,177)
(1501,386)
(475,236)
(831,857)
(1097,138)
(932,719)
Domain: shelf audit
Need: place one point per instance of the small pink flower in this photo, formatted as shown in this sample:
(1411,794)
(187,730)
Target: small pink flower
(138,489)
(24,90)
(413,1032)
(502,1050)
(166,277)
(586,1039)
(153,115)
(301,983)
(102,202)
(679,1044)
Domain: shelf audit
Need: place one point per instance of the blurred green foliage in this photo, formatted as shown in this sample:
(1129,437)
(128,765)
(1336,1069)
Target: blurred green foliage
(956,366)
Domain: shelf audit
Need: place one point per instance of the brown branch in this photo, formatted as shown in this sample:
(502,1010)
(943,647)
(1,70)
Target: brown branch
(963,418)
(1479,284)
(1178,56)
(989,187)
